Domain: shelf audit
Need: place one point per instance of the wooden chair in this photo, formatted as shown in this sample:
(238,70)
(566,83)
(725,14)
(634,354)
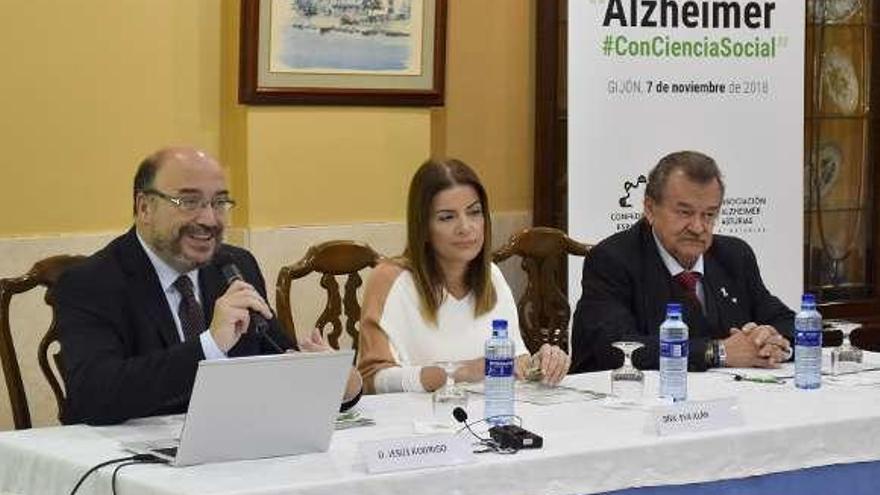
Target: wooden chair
(543,309)
(330,259)
(867,337)
(44,273)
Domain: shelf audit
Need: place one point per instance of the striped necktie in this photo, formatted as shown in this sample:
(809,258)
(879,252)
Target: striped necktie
(192,321)
(688,281)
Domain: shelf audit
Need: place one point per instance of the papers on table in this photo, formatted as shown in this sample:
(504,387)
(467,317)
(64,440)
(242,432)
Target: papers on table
(647,403)
(863,377)
(352,419)
(543,395)
(784,372)
(755,375)
(857,374)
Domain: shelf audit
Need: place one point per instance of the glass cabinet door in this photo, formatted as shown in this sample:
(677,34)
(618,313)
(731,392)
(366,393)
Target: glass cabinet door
(838,169)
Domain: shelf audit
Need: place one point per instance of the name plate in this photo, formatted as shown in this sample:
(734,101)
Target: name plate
(400,454)
(693,416)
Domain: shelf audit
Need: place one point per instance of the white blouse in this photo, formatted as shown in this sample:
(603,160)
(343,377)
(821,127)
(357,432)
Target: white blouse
(457,336)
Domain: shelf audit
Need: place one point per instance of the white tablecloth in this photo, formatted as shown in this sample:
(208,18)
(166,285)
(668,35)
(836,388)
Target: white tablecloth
(588,448)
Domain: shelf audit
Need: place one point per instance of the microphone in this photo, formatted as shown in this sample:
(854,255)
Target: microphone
(504,439)
(490,445)
(461,416)
(231,273)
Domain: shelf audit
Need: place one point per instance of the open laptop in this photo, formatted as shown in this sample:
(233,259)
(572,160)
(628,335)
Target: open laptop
(255,407)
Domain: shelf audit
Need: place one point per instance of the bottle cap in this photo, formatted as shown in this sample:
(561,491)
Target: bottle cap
(808,299)
(499,324)
(499,329)
(673,309)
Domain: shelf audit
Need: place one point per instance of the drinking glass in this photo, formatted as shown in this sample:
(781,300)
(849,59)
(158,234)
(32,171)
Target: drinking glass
(627,382)
(847,357)
(446,398)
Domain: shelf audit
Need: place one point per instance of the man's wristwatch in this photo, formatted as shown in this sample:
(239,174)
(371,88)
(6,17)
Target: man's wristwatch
(720,353)
(716,354)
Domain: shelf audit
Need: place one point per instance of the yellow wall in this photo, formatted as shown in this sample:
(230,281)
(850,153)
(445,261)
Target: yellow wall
(332,165)
(233,117)
(89,88)
(489,114)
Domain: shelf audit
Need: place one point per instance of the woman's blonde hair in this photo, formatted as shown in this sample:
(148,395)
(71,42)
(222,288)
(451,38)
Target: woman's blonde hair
(430,179)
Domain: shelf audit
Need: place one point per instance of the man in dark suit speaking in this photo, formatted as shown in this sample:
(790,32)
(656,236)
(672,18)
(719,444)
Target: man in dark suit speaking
(672,255)
(135,318)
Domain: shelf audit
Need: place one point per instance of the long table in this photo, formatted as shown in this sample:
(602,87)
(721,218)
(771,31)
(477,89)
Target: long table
(791,438)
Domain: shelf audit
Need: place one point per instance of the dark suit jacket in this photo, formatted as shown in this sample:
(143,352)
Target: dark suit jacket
(122,355)
(626,287)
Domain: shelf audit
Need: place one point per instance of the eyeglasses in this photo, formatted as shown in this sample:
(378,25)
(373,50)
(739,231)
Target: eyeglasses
(192,203)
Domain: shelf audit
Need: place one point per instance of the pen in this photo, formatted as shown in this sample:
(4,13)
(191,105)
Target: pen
(758,379)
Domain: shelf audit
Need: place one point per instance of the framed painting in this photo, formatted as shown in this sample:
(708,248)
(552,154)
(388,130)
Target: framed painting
(342,52)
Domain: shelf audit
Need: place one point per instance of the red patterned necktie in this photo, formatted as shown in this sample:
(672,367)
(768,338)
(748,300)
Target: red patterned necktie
(688,281)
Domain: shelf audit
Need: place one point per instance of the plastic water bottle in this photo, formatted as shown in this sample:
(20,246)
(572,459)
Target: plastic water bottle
(499,376)
(808,345)
(673,354)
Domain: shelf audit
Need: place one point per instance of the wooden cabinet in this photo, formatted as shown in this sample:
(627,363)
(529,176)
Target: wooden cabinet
(840,128)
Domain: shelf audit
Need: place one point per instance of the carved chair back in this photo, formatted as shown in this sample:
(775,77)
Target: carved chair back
(329,259)
(544,311)
(44,273)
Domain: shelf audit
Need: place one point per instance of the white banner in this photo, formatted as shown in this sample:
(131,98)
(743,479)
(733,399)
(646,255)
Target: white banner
(650,77)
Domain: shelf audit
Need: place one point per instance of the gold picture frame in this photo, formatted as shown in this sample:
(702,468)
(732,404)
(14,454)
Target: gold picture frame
(331,52)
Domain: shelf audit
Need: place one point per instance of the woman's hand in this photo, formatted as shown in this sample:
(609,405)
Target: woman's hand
(317,343)
(521,366)
(471,370)
(553,363)
(432,377)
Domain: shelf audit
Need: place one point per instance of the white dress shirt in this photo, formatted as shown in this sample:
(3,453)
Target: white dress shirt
(167,277)
(675,268)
